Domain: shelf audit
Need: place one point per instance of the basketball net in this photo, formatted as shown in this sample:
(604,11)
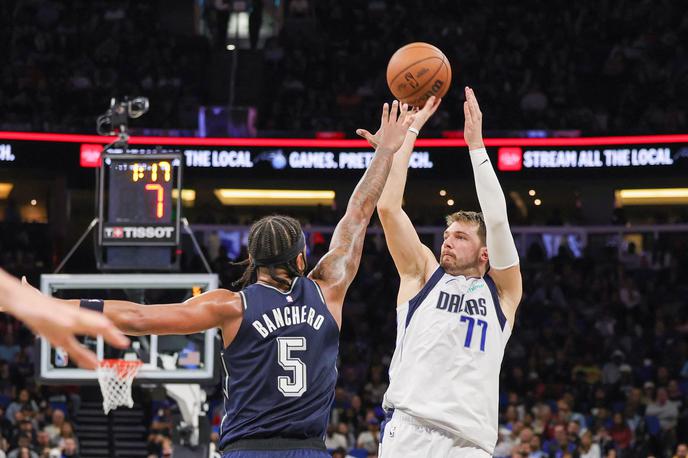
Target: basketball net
(115,377)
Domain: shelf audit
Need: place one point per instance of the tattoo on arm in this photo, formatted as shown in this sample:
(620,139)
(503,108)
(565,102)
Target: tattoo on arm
(369,189)
(340,264)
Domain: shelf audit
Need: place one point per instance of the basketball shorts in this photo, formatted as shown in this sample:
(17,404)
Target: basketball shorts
(304,453)
(403,436)
(277,447)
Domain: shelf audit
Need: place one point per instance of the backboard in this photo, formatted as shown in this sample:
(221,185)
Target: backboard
(166,359)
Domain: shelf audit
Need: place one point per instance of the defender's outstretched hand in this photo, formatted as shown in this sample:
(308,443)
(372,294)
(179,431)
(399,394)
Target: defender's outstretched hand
(419,118)
(473,125)
(393,127)
(58,322)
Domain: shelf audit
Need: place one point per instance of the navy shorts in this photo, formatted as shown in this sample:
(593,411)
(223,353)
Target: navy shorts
(303,453)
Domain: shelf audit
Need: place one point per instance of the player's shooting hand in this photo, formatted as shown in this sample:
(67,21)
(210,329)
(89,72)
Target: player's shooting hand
(420,117)
(60,323)
(473,126)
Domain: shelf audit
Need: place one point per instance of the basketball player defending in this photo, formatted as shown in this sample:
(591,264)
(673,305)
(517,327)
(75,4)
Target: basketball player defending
(57,322)
(453,319)
(281,333)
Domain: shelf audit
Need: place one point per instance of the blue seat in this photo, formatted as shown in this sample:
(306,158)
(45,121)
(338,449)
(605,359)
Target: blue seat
(683,386)
(58,405)
(652,425)
(358,452)
(5,400)
(619,406)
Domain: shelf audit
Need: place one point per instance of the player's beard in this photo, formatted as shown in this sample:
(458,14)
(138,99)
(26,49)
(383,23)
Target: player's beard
(454,266)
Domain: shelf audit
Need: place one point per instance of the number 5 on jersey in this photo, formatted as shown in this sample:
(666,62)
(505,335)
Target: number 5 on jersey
(295,385)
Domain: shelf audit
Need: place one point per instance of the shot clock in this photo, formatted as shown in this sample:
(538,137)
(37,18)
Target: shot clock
(137,206)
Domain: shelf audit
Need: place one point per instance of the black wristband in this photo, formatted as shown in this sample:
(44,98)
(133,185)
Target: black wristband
(96,305)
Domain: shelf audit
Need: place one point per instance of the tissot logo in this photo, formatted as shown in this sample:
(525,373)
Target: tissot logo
(117,232)
(509,159)
(139,232)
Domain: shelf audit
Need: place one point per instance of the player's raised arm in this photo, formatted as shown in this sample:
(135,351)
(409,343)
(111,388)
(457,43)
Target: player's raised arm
(55,321)
(336,270)
(501,249)
(411,257)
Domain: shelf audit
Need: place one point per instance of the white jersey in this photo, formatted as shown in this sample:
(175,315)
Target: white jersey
(450,344)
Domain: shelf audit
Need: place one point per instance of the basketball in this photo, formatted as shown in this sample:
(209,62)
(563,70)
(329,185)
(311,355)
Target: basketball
(418,71)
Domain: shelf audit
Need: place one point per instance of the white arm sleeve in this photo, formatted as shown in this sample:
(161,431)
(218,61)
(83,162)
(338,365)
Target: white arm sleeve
(501,248)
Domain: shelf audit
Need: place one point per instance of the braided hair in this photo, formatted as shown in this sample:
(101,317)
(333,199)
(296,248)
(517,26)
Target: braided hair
(269,237)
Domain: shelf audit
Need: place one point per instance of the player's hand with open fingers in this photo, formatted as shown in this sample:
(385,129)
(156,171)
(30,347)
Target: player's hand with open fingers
(60,323)
(473,126)
(393,127)
(374,139)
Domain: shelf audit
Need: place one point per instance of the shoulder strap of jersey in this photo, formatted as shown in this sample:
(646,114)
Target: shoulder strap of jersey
(423,293)
(495,299)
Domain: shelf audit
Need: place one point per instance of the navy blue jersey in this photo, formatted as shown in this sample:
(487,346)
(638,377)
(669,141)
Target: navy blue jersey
(281,367)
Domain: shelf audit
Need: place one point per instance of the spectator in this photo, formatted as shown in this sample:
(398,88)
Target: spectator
(370,439)
(560,444)
(338,437)
(55,427)
(611,372)
(8,349)
(23,452)
(69,448)
(667,413)
(375,389)
(681,451)
(22,402)
(589,449)
(43,445)
(67,432)
(620,432)
(665,410)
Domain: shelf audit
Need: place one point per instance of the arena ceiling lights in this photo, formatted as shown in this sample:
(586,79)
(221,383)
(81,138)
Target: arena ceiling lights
(275,197)
(5,190)
(188,195)
(659,196)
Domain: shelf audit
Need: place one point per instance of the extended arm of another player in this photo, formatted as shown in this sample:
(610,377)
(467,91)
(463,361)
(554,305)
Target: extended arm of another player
(501,249)
(206,311)
(337,269)
(56,322)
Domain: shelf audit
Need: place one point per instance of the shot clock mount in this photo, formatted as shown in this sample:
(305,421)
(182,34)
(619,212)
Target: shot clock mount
(138,210)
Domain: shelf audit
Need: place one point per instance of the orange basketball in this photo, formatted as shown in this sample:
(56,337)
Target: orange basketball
(417,71)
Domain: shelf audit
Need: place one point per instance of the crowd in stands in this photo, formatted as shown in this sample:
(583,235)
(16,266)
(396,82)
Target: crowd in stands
(63,61)
(594,66)
(597,364)
(34,422)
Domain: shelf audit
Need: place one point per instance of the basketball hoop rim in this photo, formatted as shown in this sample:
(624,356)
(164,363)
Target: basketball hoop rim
(123,367)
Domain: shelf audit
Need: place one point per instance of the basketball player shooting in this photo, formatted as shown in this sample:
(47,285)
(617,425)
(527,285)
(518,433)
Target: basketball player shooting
(57,322)
(281,333)
(453,317)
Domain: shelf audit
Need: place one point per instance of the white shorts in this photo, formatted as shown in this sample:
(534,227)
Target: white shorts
(406,437)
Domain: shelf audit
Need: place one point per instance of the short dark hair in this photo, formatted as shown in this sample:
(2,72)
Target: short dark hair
(464,216)
(269,237)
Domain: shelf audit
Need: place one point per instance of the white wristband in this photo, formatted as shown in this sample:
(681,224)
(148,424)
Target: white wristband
(414,130)
(478,151)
